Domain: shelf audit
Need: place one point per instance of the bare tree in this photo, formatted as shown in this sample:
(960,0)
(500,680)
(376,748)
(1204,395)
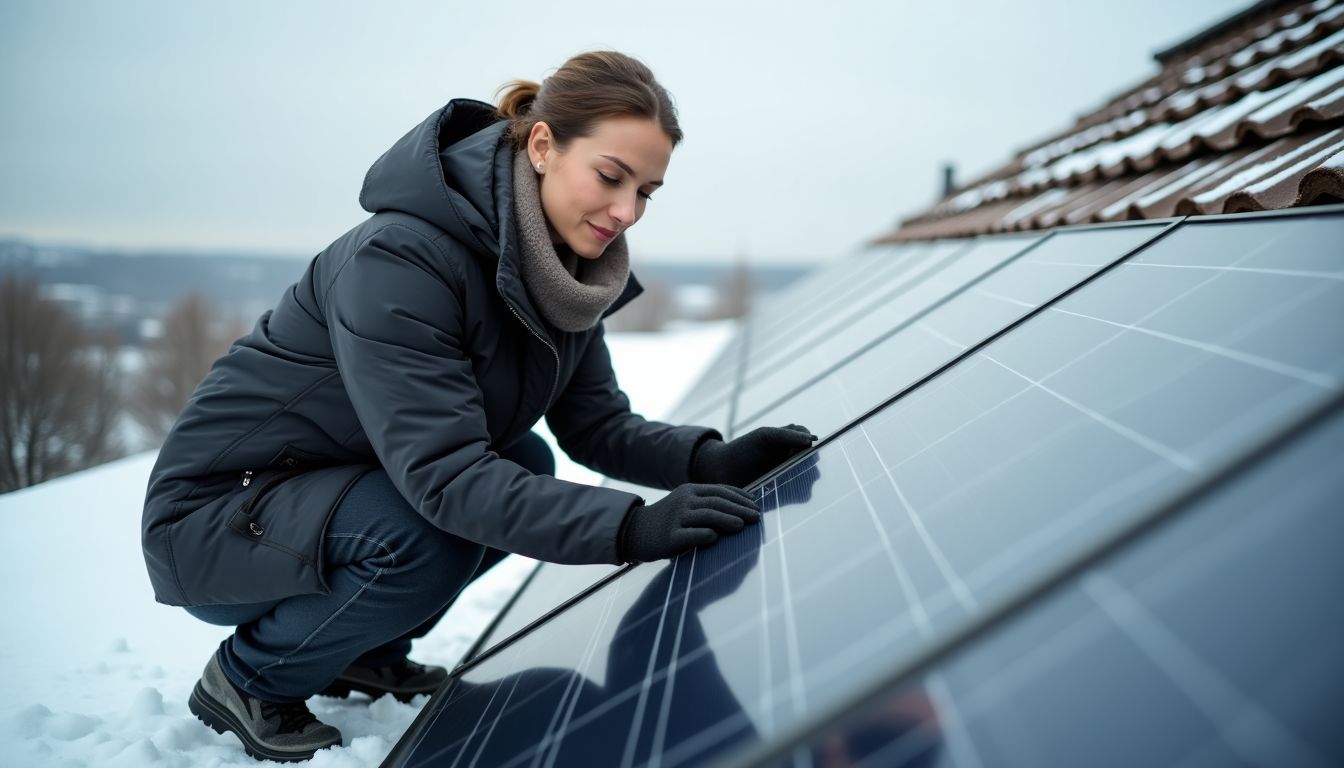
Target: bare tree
(194,336)
(58,389)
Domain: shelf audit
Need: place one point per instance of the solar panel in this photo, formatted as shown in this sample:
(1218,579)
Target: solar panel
(801,308)
(833,286)
(1033,445)
(802,328)
(1003,281)
(817,355)
(1212,641)
(548,587)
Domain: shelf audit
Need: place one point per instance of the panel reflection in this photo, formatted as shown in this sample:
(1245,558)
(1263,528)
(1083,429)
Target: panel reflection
(1215,641)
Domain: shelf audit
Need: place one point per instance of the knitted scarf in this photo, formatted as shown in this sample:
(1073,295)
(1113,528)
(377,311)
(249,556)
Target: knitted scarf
(571,292)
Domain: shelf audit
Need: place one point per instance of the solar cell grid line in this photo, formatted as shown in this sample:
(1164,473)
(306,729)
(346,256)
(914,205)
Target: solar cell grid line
(641,704)
(716,416)
(922,273)
(930,339)
(508,607)
(1182,612)
(813,288)
(707,395)
(1217,699)
(669,681)
(919,612)
(883,263)
(821,283)
(717,382)
(712,396)
(549,587)
(698,408)
(882,266)
(1190,457)
(714,393)
(538,691)
(550,744)
(747,334)
(564,708)
(846,340)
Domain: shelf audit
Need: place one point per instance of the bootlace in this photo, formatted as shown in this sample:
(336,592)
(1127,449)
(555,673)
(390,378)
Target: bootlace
(294,716)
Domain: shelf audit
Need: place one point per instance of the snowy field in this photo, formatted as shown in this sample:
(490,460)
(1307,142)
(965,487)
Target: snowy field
(96,673)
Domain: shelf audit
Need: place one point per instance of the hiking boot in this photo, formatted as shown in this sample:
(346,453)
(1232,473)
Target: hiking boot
(269,731)
(405,680)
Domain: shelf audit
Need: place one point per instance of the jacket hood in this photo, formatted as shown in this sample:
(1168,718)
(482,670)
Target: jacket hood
(455,170)
(444,171)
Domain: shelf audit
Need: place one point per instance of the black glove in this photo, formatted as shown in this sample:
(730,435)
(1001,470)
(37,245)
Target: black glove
(690,516)
(740,461)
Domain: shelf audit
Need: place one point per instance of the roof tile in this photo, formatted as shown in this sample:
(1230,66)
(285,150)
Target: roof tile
(1245,120)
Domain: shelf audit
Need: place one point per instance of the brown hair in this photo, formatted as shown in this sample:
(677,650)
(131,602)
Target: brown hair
(586,89)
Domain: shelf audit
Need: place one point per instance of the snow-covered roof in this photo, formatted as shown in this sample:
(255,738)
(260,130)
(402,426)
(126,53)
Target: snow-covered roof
(1246,118)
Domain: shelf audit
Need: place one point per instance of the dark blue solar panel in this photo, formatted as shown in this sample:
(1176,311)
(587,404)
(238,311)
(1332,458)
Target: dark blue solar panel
(938,275)
(915,338)
(802,296)
(1030,450)
(931,270)
(830,285)
(549,587)
(794,320)
(1214,641)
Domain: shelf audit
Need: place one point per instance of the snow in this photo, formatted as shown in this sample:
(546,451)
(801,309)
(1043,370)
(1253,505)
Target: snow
(1258,170)
(97,673)
(1331,147)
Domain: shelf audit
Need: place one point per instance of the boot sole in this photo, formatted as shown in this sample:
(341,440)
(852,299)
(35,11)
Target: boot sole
(341,689)
(220,720)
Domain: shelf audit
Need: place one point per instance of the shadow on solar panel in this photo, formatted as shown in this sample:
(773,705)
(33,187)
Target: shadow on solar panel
(1076,503)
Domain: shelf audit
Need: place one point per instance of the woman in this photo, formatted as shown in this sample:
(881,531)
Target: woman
(365,451)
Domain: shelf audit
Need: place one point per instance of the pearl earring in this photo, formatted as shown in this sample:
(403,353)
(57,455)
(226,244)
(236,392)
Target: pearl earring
(538,166)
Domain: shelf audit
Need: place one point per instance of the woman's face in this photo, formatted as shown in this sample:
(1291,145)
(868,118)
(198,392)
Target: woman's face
(598,187)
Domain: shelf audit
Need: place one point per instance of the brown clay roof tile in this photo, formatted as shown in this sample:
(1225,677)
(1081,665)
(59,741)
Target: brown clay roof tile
(1245,117)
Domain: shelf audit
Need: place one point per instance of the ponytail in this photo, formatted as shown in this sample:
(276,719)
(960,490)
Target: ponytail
(587,89)
(518,100)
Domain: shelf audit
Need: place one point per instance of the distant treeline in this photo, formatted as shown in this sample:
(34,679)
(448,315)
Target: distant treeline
(119,290)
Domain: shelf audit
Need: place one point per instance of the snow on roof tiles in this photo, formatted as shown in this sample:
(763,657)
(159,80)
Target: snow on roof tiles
(1243,117)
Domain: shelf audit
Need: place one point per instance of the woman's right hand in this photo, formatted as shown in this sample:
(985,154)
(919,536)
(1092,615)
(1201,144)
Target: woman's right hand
(692,515)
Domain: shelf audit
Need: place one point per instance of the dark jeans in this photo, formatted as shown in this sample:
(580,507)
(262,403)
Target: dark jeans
(392,574)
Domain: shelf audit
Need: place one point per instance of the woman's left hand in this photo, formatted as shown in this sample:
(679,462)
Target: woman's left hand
(738,462)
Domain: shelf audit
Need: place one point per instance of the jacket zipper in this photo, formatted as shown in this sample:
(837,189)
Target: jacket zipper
(247,507)
(274,481)
(556,380)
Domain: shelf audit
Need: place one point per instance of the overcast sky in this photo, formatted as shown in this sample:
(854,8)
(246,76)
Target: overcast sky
(810,127)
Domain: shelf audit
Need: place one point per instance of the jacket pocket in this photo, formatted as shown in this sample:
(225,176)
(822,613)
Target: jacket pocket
(245,520)
(290,457)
